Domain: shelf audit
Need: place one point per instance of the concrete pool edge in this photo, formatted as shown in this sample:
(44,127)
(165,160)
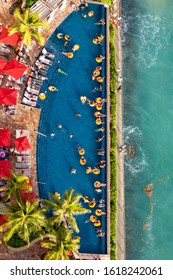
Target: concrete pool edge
(120,221)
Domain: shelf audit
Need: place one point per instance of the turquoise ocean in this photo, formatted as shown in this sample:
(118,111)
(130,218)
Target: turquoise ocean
(147,42)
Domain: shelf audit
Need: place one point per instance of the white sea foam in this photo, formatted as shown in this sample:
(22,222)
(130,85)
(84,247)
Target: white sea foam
(148,34)
(133,136)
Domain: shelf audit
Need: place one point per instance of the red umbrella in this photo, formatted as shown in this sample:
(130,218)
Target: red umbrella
(8,96)
(5,169)
(3,219)
(3,32)
(5,137)
(22,144)
(11,40)
(15,69)
(3,63)
(27,196)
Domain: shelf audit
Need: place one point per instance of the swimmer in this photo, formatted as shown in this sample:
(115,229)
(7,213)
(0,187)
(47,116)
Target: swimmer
(71,135)
(83,99)
(60,127)
(97,88)
(101,161)
(102,129)
(78,115)
(84,16)
(101,200)
(101,153)
(98,190)
(73,171)
(99,115)
(91,103)
(52,134)
(102,165)
(100,139)
(101,205)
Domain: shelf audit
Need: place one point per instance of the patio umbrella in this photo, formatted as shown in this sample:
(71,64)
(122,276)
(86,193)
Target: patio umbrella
(3,63)
(8,96)
(11,40)
(5,137)
(15,69)
(22,144)
(3,32)
(5,168)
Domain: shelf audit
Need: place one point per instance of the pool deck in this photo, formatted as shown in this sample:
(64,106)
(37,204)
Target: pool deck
(120,223)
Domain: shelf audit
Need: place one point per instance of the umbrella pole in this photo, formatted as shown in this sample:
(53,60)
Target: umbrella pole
(39,133)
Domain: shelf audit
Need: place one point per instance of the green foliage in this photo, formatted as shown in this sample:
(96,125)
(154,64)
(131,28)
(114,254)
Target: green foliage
(60,243)
(29,3)
(65,209)
(27,24)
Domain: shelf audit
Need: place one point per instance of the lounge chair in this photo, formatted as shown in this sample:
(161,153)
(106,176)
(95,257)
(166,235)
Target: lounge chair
(25,172)
(32,90)
(22,132)
(45,60)
(48,54)
(42,72)
(28,102)
(23,159)
(41,65)
(35,75)
(22,165)
(30,96)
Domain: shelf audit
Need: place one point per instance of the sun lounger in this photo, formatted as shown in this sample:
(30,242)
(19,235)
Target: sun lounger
(28,102)
(25,172)
(22,165)
(41,65)
(30,96)
(32,90)
(45,60)
(25,159)
(48,54)
(36,81)
(42,72)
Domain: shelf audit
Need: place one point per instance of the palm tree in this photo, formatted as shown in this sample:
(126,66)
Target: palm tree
(15,184)
(28,24)
(25,220)
(61,244)
(64,210)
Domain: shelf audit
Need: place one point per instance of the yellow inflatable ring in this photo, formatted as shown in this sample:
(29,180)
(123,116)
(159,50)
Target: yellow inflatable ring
(52,88)
(68,54)
(86,199)
(67,37)
(83,99)
(96,171)
(75,47)
(81,151)
(42,95)
(98,99)
(97,114)
(92,204)
(97,184)
(99,107)
(82,161)
(100,37)
(99,212)
(91,14)
(96,72)
(98,59)
(88,170)
(100,79)
(98,121)
(93,219)
(59,35)
(97,223)
(95,41)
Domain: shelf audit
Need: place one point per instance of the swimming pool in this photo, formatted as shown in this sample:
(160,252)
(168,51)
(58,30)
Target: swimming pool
(57,155)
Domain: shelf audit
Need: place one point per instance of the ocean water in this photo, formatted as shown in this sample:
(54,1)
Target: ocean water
(147,41)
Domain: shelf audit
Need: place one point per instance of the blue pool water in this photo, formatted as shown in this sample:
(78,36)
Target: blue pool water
(148,113)
(57,155)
